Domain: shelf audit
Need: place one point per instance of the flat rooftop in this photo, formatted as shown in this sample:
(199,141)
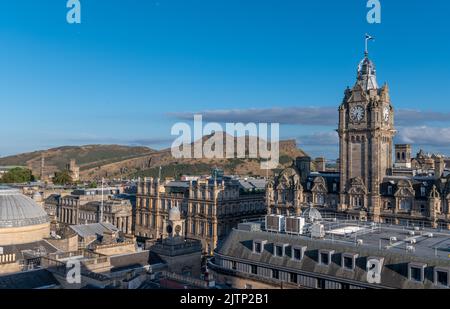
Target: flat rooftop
(396,239)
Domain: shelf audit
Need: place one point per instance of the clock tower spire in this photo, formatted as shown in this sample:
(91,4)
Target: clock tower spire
(366,131)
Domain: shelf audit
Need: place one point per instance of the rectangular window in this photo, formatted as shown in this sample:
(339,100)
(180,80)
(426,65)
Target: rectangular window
(254,269)
(442,278)
(275,274)
(297,254)
(293,278)
(348,262)
(279,251)
(202,228)
(324,258)
(210,229)
(257,247)
(210,210)
(416,274)
(234,265)
(321,283)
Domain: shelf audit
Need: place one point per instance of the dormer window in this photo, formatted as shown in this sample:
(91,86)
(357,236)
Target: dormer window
(422,191)
(348,261)
(298,253)
(279,250)
(416,271)
(441,277)
(325,257)
(390,190)
(258,246)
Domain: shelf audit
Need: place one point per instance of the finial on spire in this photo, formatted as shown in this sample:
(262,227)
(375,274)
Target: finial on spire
(368,38)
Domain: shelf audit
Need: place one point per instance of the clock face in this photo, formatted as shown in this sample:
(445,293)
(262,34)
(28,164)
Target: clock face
(386,111)
(357,113)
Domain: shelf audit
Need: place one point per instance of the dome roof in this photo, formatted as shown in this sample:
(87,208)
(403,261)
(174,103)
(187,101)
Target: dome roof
(17,210)
(174,214)
(367,74)
(311,214)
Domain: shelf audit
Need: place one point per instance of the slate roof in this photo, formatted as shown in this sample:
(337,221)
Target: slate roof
(94,229)
(35,279)
(238,245)
(24,251)
(330,178)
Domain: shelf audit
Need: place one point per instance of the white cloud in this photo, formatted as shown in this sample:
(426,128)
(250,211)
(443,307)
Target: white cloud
(317,116)
(311,116)
(319,138)
(424,135)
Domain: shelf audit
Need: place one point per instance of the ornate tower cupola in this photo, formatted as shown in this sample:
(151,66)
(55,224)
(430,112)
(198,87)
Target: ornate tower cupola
(366,131)
(367,74)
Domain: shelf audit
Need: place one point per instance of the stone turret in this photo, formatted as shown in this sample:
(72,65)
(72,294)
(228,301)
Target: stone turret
(439,166)
(434,204)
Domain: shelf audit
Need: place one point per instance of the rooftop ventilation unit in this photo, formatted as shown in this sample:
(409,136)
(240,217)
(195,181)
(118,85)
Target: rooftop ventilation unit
(411,233)
(249,227)
(295,225)
(410,248)
(359,242)
(317,230)
(393,239)
(429,235)
(275,223)
(412,241)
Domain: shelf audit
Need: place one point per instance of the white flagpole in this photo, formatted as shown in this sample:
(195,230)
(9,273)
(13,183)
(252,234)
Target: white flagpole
(101,206)
(368,38)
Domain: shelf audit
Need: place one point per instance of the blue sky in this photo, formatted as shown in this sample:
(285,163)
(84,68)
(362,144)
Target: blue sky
(134,68)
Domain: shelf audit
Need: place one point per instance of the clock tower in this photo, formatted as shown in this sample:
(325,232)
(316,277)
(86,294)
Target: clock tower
(366,131)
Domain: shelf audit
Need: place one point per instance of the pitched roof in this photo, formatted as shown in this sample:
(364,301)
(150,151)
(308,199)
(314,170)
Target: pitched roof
(94,229)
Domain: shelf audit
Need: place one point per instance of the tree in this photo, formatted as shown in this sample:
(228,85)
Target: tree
(62,178)
(18,175)
(92,185)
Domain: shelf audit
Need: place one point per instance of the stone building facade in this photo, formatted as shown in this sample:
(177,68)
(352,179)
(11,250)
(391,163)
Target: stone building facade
(369,185)
(210,209)
(83,209)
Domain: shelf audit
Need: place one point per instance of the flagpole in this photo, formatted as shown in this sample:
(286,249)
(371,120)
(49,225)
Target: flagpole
(101,206)
(368,38)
